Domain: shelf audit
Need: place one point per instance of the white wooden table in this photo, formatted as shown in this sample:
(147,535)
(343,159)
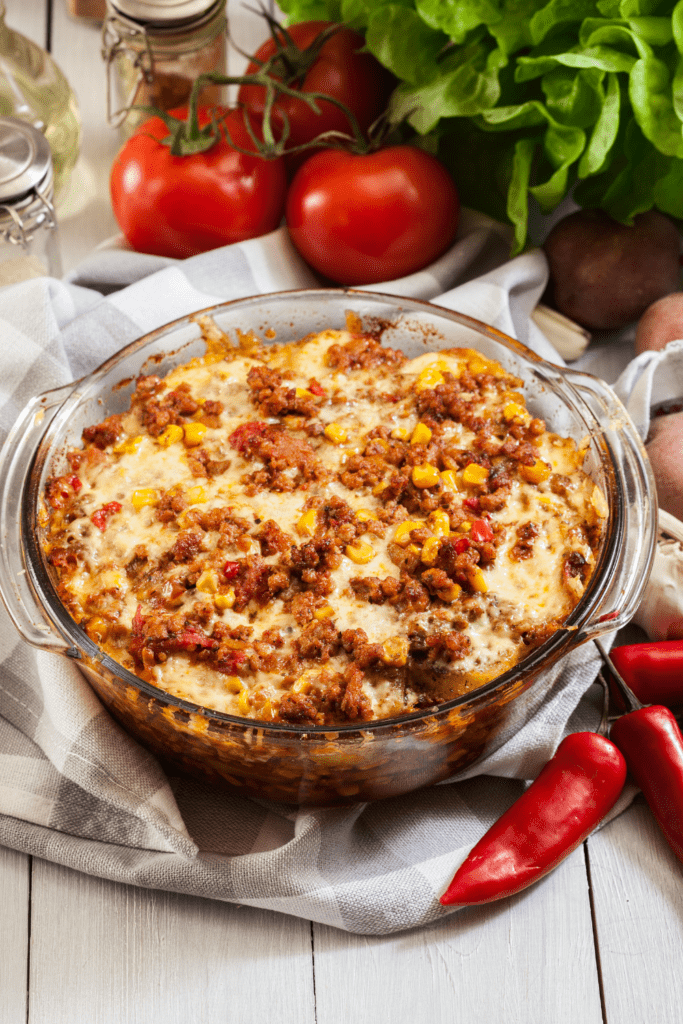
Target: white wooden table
(599,940)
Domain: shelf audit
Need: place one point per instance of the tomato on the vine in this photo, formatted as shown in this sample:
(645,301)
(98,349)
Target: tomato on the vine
(360,219)
(179,206)
(337,69)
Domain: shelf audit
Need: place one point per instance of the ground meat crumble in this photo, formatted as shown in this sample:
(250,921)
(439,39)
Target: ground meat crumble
(318,535)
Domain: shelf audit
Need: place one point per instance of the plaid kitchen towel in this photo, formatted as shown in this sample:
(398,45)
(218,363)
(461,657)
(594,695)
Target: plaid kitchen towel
(77,790)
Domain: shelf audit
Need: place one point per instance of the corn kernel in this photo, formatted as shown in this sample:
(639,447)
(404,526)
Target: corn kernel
(439,523)
(360,553)
(143,497)
(378,489)
(474,474)
(421,435)
(451,593)
(335,433)
(195,495)
(465,527)
(130,446)
(449,480)
(303,393)
(244,703)
(97,629)
(535,474)
(364,515)
(430,377)
(207,582)
(225,600)
(400,434)
(476,579)
(513,411)
(169,436)
(395,651)
(194,434)
(477,366)
(403,531)
(425,475)
(307,523)
(414,550)
(302,684)
(326,612)
(430,550)
(233,683)
(267,711)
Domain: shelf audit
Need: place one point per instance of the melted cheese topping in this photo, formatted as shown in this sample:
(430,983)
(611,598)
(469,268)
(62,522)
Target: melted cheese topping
(339,444)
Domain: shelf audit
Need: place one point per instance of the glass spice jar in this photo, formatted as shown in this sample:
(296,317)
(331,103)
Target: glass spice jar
(154,50)
(28,227)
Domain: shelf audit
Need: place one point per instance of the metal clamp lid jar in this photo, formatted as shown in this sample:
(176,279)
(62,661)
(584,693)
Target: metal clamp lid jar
(28,246)
(154,50)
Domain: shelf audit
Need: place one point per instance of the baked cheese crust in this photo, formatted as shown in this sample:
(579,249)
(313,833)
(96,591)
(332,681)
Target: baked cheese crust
(322,532)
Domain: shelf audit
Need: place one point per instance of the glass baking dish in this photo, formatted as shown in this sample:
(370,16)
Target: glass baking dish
(318,764)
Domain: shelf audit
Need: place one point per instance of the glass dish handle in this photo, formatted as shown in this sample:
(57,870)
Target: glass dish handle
(15,587)
(638,518)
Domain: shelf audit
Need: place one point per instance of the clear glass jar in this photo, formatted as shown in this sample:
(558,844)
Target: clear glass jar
(28,227)
(154,50)
(34,89)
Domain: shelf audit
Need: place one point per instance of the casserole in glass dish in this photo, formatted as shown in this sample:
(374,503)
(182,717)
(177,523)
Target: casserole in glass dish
(359,761)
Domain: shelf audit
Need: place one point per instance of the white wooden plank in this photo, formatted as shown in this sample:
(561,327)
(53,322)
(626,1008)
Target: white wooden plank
(85,216)
(638,894)
(104,953)
(14,921)
(526,960)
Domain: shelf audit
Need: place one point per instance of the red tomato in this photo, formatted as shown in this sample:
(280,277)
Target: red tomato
(339,70)
(182,205)
(374,217)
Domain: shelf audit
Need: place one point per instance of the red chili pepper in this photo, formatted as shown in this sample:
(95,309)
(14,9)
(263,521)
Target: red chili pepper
(572,794)
(472,504)
(652,743)
(75,483)
(461,545)
(315,388)
(101,517)
(480,531)
(242,435)
(231,569)
(654,671)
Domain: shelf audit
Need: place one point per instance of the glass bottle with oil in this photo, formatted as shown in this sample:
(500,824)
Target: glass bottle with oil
(34,89)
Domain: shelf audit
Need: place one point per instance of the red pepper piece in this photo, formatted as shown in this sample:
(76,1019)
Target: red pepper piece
(75,483)
(654,671)
(194,638)
(651,742)
(472,504)
(102,516)
(231,569)
(572,794)
(315,388)
(232,663)
(461,545)
(242,435)
(480,531)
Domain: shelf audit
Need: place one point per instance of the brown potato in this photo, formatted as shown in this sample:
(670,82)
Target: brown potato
(661,323)
(604,274)
(665,448)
